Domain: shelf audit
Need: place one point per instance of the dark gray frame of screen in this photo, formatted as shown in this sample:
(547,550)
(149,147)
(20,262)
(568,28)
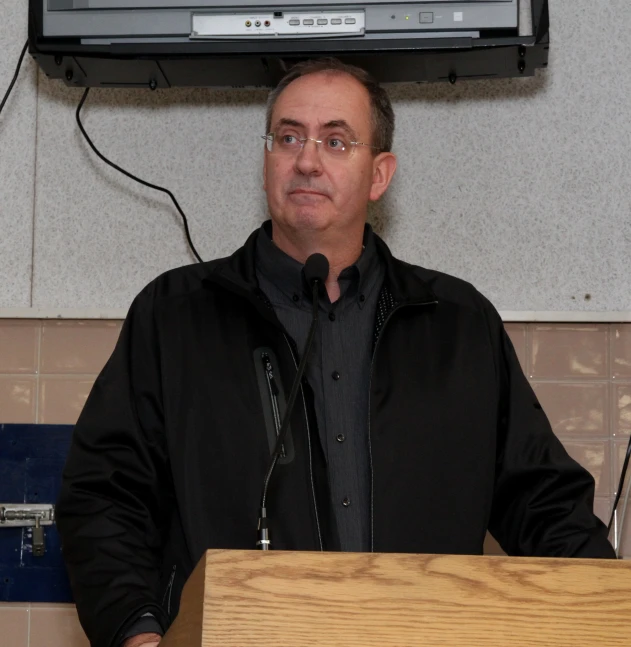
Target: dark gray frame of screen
(172,22)
(70,5)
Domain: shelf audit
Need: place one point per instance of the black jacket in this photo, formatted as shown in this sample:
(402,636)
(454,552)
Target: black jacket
(169,454)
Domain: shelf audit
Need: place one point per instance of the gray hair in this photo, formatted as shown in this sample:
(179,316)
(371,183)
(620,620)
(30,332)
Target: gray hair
(382,117)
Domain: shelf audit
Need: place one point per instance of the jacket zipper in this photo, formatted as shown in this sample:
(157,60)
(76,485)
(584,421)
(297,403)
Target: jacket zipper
(273,390)
(169,590)
(372,363)
(304,405)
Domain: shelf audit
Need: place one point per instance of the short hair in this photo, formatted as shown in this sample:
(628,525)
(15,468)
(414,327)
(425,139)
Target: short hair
(382,117)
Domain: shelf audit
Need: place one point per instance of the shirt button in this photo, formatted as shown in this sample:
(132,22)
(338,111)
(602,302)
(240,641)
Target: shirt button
(295,298)
(340,438)
(346,502)
(335,375)
(362,297)
(332,316)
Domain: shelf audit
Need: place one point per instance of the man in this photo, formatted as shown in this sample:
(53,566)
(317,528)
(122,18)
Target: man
(415,429)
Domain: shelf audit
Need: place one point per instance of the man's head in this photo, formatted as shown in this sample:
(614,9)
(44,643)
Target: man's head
(320,187)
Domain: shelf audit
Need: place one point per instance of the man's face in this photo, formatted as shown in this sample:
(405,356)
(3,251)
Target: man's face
(310,189)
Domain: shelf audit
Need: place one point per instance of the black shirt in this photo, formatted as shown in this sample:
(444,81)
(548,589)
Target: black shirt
(338,368)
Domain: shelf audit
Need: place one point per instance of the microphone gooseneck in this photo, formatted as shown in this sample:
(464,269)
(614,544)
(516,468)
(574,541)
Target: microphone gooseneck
(316,270)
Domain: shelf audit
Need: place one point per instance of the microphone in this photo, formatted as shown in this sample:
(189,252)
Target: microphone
(316,270)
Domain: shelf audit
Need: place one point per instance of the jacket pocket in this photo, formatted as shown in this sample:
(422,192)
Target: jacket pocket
(168,591)
(273,401)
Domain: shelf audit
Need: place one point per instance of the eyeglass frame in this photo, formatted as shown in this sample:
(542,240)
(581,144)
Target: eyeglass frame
(303,140)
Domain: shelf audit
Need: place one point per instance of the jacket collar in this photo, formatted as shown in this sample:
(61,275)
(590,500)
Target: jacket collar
(402,280)
(237,273)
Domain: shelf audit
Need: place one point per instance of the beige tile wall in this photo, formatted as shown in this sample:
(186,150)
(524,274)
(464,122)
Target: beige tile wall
(581,374)
(47,368)
(46,372)
(40,625)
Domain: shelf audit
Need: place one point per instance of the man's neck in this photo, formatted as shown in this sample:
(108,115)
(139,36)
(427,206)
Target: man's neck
(342,249)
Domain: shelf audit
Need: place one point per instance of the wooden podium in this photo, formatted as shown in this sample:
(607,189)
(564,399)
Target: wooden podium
(301,599)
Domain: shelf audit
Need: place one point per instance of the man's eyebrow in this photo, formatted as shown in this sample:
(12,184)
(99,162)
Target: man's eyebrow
(334,123)
(340,123)
(289,122)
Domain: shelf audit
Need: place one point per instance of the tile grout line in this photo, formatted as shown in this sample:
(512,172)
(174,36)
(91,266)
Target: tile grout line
(610,421)
(28,626)
(589,380)
(39,371)
(616,469)
(22,376)
(527,351)
(623,441)
(53,375)
(527,343)
(70,376)
(18,376)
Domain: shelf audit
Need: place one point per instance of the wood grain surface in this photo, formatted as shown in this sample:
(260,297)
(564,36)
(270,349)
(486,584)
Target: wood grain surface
(301,599)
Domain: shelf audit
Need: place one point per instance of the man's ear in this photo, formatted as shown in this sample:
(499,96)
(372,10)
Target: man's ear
(265,171)
(383,168)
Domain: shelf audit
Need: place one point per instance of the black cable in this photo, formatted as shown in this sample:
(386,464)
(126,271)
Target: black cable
(280,440)
(264,542)
(15,76)
(133,177)
(623,475)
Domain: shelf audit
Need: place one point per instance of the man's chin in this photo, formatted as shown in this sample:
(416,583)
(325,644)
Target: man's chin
(309,219)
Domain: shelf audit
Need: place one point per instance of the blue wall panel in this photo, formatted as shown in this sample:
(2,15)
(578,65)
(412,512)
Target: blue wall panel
(32,458)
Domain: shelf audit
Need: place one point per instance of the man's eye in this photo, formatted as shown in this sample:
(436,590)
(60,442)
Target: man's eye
(289,139)
(335,143)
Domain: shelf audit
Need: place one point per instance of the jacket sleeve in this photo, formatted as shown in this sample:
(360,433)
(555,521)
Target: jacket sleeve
(115,495)
(543,499)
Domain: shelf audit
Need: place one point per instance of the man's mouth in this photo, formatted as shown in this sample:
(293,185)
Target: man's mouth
(306,192)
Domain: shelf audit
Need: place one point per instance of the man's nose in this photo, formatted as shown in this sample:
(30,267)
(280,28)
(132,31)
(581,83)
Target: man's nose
(308,160)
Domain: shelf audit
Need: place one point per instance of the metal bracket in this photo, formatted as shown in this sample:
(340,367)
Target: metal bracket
(29,515)
(25,515)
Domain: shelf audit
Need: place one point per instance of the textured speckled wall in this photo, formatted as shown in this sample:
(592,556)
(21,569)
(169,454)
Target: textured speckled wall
(520,186)
(17,159)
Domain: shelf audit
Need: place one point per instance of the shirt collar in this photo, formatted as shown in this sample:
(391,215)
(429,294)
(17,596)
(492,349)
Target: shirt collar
(356,281)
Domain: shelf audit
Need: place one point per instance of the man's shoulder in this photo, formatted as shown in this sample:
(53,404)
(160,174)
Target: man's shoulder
(179,282)
(450,289)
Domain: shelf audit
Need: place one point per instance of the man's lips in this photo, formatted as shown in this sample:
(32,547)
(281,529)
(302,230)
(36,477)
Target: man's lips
(306,198)
(306,192)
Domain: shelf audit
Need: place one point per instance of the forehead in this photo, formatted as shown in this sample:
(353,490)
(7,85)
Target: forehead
(319,98)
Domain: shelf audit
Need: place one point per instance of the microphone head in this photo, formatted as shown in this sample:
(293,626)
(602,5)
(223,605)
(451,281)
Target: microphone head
(316,268)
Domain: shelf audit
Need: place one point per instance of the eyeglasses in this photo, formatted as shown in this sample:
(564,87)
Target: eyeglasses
(335,147)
